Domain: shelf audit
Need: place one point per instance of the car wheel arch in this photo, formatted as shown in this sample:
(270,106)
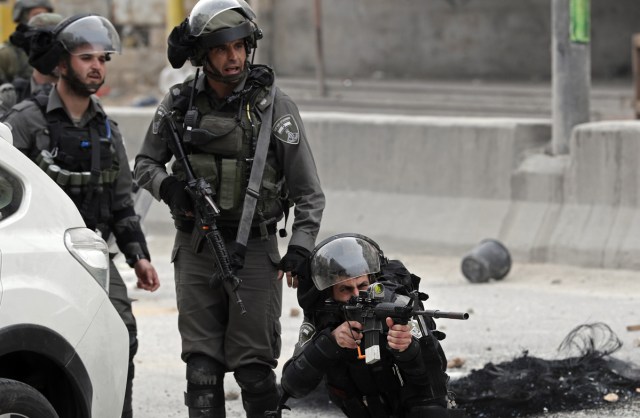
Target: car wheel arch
(42,358)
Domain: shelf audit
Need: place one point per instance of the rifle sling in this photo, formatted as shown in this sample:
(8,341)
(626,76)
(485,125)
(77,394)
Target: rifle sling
(257,170)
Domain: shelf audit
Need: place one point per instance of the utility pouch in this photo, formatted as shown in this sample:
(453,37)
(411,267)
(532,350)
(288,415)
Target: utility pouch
(224,135)
(230,184)
(270,202)
(204,165)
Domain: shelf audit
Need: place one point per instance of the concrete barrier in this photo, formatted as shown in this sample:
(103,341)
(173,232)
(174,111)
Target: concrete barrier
(440,185)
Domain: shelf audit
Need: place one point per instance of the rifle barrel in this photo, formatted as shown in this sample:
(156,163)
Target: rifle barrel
(440,314)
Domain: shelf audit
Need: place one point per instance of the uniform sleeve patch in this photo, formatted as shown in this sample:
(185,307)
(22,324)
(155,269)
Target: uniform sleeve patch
(158,119)
(307,331)
(286,130)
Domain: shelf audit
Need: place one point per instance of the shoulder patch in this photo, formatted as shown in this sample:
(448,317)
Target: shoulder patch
(286,130)
(307,331)
(158,119)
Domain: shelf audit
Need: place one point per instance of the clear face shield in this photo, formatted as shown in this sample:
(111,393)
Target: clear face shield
(342,259)
(89,35)
(205,10)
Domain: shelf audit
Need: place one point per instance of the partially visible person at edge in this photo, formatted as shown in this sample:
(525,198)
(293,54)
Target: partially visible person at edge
(13,59)
(69,135)
(232,97)
(409,380)
(21,88)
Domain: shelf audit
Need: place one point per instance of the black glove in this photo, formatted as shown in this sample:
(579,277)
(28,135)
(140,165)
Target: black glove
(292,260)
(174,193)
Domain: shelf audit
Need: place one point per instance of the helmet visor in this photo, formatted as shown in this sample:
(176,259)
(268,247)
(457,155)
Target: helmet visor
(205,10)
(90,34)
(342,259)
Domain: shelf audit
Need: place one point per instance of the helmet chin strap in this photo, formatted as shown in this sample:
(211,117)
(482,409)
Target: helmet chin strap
(214,74)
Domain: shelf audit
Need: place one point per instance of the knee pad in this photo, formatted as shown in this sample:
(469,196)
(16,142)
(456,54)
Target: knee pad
(203,370)
(205,379)
(256,378)
(259,390)
(299,377)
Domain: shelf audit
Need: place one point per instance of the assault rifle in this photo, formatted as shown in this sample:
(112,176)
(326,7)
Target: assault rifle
(206,213)
(370,309)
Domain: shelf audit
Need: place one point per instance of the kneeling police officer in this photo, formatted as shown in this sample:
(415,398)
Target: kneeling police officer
(407,377)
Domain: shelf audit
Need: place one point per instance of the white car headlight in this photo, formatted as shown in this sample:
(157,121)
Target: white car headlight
(91,251)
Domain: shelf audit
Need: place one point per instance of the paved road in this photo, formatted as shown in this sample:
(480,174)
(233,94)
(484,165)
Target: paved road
(532,309)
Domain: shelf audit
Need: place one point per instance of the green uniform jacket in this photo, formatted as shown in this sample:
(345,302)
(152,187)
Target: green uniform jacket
(294,157)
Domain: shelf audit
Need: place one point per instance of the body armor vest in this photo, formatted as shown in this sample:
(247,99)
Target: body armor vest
(85,173)
(221,148)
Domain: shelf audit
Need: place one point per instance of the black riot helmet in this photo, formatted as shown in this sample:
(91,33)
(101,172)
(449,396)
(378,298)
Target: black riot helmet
(342,257)
(21,8)
(85,33)
(336,259)
(212,23)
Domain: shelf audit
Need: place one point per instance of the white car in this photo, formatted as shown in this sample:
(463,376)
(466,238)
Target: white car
(63,348)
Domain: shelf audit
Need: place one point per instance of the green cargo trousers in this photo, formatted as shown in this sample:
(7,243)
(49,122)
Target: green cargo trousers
(209,320)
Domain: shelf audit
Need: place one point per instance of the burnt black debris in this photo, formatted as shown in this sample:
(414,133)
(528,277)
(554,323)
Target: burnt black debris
(529,385)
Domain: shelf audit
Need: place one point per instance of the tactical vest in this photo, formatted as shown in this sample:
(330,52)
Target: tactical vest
(224,155)
(85,173)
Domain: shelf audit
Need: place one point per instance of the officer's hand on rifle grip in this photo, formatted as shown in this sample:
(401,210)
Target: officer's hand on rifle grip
(399,336)
(174,193)
(348,334)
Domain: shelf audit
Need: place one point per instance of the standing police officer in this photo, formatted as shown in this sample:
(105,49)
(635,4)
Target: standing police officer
(69,135)
(225,109)
(13,60)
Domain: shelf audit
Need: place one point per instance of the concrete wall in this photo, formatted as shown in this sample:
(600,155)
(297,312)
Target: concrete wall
(441,185)
(437,38)
(413,39)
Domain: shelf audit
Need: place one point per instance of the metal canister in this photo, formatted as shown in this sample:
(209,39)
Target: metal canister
(86,176)
(64,177)
(43,154)
(45,162)
(52,171)
(75,182)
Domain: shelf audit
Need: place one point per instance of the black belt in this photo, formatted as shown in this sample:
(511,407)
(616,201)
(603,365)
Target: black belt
(228,232)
